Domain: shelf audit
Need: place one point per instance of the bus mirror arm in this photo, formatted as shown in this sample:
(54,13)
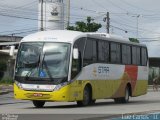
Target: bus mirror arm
(79,62)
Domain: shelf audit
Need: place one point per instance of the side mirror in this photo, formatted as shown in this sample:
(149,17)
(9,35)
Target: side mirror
(75,53)
(11,52)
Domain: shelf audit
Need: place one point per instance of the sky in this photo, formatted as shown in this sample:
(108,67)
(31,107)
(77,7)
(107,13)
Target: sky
(20,17)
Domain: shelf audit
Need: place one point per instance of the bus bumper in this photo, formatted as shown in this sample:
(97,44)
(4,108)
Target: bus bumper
(60,95)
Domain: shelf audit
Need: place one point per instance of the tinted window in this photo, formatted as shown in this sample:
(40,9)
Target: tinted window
(77,64)
(128,54)
(90,55)
(80,45)
(138,56)
(134,56)
(124,54)
(115,53)
(144,56)
(103,51)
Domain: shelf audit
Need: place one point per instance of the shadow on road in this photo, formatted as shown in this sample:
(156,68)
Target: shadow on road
(138,102)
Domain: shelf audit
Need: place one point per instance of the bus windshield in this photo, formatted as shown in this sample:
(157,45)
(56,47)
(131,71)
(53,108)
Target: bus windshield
(43,60)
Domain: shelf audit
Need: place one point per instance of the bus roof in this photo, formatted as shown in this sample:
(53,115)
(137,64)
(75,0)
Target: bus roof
(70,36)
(53,35)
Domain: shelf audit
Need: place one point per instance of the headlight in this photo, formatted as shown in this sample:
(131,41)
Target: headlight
(18,84)
(59,86)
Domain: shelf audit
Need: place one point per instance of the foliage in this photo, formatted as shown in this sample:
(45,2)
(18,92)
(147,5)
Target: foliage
(6,80)
(89,26)
(3,66)
(134,40)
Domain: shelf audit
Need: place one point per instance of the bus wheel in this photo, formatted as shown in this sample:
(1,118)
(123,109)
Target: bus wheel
(86,97)
(117,100)
(93,101)
(125,99)
(38,104)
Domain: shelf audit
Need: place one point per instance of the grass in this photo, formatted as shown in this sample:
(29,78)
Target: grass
(6,81)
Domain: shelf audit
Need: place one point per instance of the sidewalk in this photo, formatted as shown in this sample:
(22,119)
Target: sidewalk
(5,89)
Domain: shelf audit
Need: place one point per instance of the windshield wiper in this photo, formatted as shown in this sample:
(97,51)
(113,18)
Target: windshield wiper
(46,66)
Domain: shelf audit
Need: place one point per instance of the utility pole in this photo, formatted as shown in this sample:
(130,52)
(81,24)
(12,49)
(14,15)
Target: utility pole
(137,24)
(68,12)
(42,15)
(107,20)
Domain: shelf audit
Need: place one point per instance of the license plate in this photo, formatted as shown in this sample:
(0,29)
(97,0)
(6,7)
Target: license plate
(37,94)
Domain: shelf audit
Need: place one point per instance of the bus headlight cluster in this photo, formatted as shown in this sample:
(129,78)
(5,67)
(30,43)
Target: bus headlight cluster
(59,86)
(18,84)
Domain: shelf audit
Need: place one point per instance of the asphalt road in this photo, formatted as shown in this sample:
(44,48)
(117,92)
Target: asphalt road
(103,109)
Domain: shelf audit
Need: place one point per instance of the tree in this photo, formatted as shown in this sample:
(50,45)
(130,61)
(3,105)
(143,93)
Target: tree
(134,40)
(85,27)
(3,68)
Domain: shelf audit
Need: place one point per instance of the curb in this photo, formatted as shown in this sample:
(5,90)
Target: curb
(4,92)
(5,89)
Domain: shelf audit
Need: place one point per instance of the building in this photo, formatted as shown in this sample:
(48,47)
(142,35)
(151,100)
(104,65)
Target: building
(5,42)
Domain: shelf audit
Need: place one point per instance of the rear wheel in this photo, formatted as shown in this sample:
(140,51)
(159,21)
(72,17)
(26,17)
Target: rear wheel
(93,101)
(38,104)
(86,97)
(124,99)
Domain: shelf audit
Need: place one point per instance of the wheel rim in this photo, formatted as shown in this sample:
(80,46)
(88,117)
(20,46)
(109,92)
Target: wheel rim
(127,95)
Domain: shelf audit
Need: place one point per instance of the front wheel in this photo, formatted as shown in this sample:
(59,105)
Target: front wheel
(38,104)
(86,97)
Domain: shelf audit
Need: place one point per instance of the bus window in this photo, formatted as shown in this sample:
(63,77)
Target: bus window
(77,64)
(144,56)
(126,54)
(138,56)
(115,53)
(103,51)
(90,55)
(134,56)
(136,60)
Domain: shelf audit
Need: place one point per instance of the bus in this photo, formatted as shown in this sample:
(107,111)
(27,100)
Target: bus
(71,66)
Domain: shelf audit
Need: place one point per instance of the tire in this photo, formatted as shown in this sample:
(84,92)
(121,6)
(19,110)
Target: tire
(92,102)
(86,97)
(38,104)
(117,100)
(124,99)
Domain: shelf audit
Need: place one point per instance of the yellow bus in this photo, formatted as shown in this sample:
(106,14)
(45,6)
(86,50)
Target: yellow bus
(63,65)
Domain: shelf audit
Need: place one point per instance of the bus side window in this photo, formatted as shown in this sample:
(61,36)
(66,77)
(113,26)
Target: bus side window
(115,53)
(103,51)
(126,54)
(134,55)
(90,53)
(144,56)
(77,63)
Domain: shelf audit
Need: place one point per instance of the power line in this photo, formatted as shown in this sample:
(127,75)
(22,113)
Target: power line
(140,29)
(28,4)
(101,6)
(134,6)
(17,30)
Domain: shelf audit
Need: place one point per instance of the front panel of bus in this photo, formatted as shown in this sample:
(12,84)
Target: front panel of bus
(41,68)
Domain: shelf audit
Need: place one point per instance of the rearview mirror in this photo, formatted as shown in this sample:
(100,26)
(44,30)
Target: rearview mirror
(75,53)
(11,52)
